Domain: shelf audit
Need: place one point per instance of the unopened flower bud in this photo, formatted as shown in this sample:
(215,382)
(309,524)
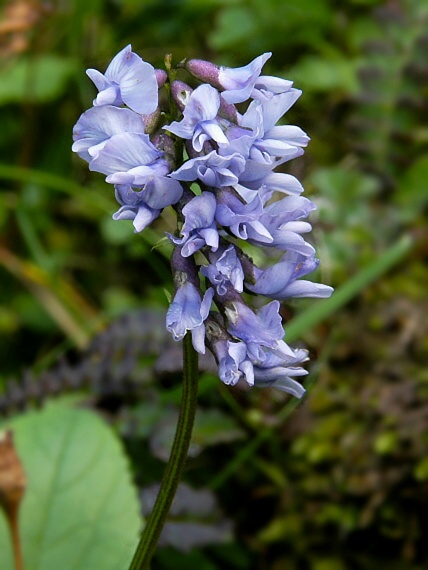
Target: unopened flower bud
(151,121)
(204,71)
(161,77)
(180,92)
(228,111)
(12,476)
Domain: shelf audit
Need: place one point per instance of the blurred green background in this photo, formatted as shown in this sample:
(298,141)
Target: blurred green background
(343,483)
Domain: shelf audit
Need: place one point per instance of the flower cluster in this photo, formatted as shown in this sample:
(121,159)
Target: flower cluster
(136,138)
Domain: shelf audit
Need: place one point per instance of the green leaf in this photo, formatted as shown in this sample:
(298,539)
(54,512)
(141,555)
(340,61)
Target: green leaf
(38,79)
(80,510)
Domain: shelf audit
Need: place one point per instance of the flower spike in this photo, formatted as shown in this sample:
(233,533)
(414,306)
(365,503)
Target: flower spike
(225,192)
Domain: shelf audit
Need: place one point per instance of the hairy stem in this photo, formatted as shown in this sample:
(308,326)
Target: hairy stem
(177,460)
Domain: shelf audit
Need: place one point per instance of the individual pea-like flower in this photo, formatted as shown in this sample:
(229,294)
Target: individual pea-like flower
(128,80)
(199,121)
(230,354)
(267,186)
(278,225)
(234,363)
(144,205)
(97,125)
(259,330)
(212,169)
(240,83)
(135,208)
(243,219)
(188,312)
(278,372)
(265,367)
(282,280)
(224,269)
(283,221)
(124,152)
(189,308)
(265,145)
(199,228)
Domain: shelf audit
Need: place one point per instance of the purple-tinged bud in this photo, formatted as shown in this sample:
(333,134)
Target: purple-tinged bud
(161,77)
(180,92)
(204,71)
(228,111)
(151,121)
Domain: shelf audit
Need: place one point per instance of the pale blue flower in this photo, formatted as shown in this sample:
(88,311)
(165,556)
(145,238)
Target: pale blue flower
(133,207)
(278,225)
(131,162)
(212,169)
(267,186)
(265,145)
(187,312)
(239,82)
(128,80)
(97,125)
(237,360)
(124,152)
(199,228)
(282,280)
(278,372)
(234,363)
(224,270)
(259,330)
(199,121)
(282,219)
(242,218)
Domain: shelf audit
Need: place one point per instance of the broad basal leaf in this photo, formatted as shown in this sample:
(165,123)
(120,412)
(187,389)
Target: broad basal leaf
(80,510)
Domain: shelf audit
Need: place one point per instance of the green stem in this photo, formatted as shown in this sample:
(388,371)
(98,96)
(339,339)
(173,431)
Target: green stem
(177,460)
